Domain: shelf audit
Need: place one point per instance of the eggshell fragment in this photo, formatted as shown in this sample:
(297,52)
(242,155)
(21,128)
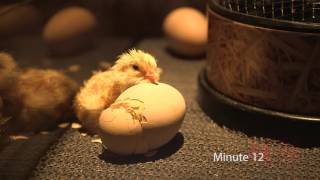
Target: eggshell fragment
(69,30)
(143,118)
(186,29)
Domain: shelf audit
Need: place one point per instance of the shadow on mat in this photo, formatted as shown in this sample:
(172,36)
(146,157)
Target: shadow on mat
(229,113)
(298,133)
(165,151)
(303,135)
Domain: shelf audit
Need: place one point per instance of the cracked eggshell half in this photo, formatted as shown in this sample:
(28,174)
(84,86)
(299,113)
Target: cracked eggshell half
(143,118)
(120,133)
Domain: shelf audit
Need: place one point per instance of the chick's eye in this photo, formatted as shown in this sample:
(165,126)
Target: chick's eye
(135,67)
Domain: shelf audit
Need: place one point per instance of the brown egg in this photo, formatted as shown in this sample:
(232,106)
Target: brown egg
(69,30)
(143,118)
(186,29)
(18,19)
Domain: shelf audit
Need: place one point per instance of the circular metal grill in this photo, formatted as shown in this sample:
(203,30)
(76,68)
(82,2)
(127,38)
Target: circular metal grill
(266,53)
(294,10)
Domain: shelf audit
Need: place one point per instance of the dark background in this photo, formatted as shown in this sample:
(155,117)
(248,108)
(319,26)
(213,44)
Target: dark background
(123,24)
(120,17)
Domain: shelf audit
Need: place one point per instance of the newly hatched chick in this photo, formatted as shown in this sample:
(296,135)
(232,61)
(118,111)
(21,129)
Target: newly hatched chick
(33,99)
(43,98)
(102,89)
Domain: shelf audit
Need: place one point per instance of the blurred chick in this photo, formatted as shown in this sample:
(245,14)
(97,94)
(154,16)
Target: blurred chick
(34,99)
(102,89)
(43,98)
(9,72)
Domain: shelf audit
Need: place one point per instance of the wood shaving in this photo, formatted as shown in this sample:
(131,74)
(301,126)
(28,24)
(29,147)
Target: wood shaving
(63,125)
(44,132)
(19,137)
(76,126)
(83,134)
(97,141)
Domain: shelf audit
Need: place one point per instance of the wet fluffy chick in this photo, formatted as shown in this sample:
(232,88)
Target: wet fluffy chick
(34,99)
(102,89)
(43,97)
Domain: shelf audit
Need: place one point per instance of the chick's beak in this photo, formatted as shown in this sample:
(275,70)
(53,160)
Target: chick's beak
(152,77)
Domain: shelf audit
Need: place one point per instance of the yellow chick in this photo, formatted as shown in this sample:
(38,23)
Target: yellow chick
(103,88)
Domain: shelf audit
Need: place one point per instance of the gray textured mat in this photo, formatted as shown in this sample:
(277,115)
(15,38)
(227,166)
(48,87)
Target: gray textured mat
(190,153)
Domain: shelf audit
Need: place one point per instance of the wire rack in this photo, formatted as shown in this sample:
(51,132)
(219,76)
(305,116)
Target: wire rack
(307,11)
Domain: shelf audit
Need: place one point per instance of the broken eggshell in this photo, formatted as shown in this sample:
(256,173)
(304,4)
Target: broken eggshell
(143,118)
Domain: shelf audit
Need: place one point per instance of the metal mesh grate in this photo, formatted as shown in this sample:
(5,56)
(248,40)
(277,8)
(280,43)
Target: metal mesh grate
(307,11)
